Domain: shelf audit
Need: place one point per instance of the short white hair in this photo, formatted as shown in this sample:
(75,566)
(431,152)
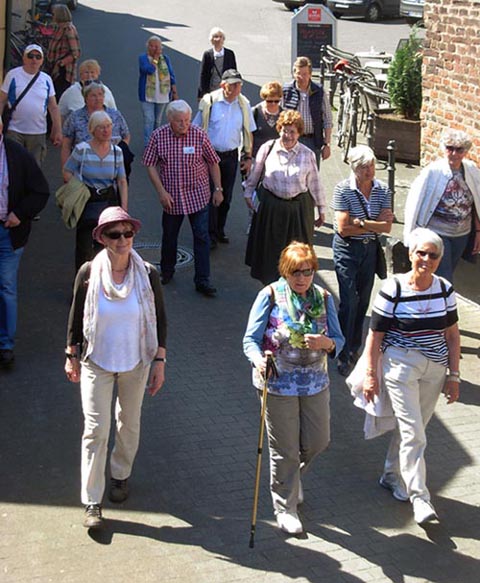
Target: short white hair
(420,236)
(216,30)
(456,138)
(98,118)
(155,38)
(177,106)
(360,156)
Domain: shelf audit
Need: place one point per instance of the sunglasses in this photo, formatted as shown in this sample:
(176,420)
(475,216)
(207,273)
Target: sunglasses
(117,234)
(34,56)
(424,254)
(456,149)
(304,272)
(273,100)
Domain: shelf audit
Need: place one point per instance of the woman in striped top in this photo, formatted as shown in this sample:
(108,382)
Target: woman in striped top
(414,324)
(363,210)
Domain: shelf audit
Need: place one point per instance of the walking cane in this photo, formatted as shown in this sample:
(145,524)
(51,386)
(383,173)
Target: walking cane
(270,371)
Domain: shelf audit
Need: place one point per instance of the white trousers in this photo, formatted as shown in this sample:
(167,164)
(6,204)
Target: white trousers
(298,430)
(414,384)
(97,392)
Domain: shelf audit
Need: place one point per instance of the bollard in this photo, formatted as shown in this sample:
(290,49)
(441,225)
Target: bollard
(391,170)
(370,121)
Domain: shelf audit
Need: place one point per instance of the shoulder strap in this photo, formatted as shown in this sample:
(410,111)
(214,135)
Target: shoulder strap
(24,92)
(398,292)
(444,291)
(272,297)
(262,175)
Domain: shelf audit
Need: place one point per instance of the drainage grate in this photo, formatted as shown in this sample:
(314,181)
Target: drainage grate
(150,251)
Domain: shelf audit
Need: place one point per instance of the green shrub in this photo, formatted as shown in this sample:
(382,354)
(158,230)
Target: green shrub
(405,78)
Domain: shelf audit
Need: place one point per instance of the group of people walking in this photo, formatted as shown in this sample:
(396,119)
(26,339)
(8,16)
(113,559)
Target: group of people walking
(117,324)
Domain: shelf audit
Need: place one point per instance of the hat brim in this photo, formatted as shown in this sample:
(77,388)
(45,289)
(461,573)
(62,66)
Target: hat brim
(98,230)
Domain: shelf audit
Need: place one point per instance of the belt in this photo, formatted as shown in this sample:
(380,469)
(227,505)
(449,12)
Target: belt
(228,153)
(363,241)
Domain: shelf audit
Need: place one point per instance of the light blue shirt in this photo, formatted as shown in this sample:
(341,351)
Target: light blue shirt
(225,124)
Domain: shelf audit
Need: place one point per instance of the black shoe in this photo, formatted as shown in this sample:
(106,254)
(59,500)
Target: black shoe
(7,357)
(206,289)
(118,490)
(344,368)
(93,516)
(223,238)
(166,278)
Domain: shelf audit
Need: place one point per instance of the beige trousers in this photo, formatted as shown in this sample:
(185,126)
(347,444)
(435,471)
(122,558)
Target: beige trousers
(97,386)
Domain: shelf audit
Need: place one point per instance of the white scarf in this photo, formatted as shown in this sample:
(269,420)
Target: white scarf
(137,276)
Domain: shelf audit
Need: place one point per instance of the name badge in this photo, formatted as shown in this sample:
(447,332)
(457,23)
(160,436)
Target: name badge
(189,150)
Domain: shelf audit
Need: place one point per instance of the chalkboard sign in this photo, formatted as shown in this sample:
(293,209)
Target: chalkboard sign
(310,37)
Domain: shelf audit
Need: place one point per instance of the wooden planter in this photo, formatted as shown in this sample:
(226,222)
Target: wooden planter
(405,132)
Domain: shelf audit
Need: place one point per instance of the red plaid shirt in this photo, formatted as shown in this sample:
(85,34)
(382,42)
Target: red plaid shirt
(183,166)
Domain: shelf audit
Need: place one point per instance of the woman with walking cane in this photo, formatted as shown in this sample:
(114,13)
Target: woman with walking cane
(296,320)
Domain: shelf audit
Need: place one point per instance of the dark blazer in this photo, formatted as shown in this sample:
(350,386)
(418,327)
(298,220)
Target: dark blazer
(28,190)
(206,68)
(291,100)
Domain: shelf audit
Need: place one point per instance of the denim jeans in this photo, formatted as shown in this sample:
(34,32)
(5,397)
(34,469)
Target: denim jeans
(453,250)
(152,118)
(201,243)
(355,268)
(9,262)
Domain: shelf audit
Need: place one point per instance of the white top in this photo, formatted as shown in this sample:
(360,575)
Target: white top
(29,116)
(72,99)
(117,340)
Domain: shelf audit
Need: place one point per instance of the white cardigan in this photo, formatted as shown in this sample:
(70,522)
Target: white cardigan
(427,189)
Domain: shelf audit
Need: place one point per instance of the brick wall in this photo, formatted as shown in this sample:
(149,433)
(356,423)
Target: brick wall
(451,73)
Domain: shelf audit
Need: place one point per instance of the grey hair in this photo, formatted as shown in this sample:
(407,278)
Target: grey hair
(177,106)
(457,138)
(86,90)
(420,236)
(216,30)
(360,156)
(96,119)
(153,37)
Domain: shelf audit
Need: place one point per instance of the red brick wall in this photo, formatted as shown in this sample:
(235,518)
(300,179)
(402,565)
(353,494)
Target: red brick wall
(451,73)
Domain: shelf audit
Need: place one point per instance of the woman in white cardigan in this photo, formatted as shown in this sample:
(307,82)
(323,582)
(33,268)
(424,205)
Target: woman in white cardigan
(445,197)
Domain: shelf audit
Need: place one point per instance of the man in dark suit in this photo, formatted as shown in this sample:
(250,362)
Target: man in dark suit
(215,62)
(23,194)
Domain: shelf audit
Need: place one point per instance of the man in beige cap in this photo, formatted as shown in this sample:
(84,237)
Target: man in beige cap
(29,93)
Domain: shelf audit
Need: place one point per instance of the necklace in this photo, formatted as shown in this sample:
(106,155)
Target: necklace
(424,303)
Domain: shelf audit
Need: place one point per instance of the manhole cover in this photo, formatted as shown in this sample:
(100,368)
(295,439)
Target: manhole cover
(150,251)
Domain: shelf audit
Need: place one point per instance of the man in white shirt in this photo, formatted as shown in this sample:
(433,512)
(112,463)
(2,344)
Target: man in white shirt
(225,114)
(28,123)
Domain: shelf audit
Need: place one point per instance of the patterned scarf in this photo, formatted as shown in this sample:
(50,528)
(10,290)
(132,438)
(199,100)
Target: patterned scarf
(101,280)
(163,75)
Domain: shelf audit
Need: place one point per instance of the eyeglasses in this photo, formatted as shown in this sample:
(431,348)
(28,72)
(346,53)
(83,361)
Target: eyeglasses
(273,100)
(34,56)
(117,234)
(305,272)
(424,254)
(457,149)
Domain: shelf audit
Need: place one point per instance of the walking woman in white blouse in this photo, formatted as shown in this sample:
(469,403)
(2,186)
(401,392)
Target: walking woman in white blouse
(116,334)
(414,324)
(283,188)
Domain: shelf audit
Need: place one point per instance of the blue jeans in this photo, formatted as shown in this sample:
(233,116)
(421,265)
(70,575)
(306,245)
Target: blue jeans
(9,262)
(201,244)
(152,118)
(453,250)
(355,268)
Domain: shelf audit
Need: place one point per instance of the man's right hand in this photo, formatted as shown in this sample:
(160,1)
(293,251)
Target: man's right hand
(166,201)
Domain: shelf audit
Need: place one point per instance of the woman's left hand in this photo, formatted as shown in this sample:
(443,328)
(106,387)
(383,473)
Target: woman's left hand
(157,377)
(451,391)
(476,244)
(317,341)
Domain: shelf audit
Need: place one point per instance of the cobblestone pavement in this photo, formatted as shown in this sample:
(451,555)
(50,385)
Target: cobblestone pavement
(188,516)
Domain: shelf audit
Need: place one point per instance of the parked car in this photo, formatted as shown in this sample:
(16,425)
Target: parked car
(412,10)
(292,4)
(371,10)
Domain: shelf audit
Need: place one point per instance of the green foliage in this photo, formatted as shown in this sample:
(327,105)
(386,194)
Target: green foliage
(405,78)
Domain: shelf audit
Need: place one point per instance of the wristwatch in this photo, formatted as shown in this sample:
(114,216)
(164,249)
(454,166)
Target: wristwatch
(217,188)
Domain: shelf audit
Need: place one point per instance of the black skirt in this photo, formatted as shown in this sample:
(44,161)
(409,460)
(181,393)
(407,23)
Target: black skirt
(277,223)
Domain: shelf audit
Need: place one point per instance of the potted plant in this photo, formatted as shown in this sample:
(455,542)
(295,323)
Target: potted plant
(402,122)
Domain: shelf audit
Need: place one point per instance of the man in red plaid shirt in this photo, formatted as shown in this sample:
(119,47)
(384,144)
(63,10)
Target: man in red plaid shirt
(180,160)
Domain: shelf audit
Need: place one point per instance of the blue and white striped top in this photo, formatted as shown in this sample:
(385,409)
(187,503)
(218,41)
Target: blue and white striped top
(92,170)
(346,198)
(415,320)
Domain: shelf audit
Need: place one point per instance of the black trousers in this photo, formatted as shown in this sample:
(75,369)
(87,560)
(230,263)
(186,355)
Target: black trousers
(218,215)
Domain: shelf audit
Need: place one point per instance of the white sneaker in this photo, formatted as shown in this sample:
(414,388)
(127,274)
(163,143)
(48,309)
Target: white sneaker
(289,522)
(300,493)
(423,511)
(394,483)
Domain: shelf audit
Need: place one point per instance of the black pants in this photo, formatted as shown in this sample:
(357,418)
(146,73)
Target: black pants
(218,215)
(85,246)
